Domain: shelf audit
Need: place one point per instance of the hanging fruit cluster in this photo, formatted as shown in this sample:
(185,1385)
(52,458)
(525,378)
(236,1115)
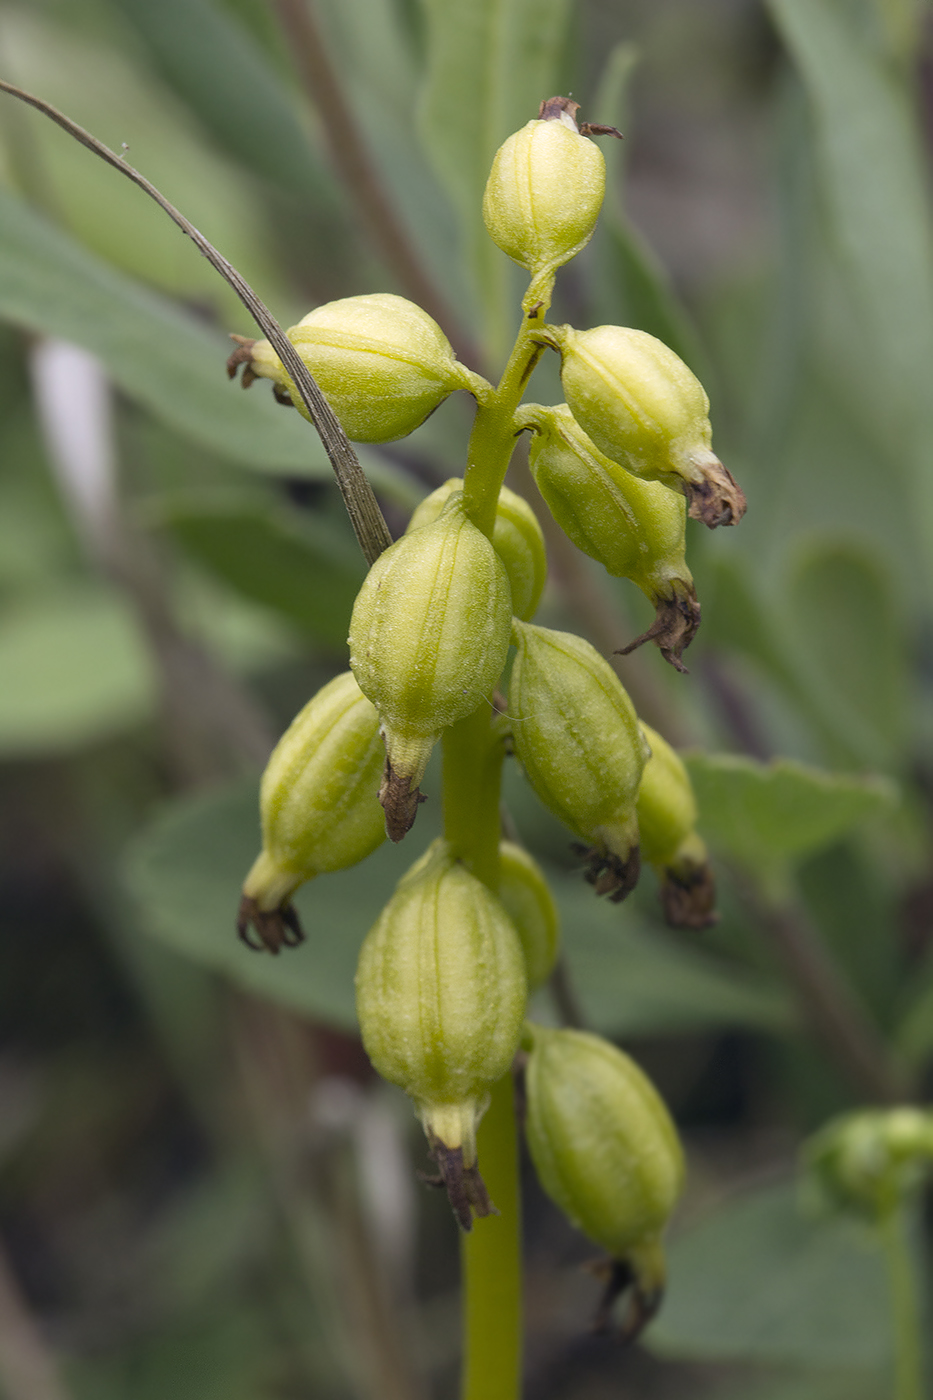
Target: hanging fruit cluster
(444,974)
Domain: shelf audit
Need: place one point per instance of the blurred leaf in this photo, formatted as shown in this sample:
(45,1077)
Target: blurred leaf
(848,638)
(211,62)
(162,357)
(766,814)
(635,980)
(865,122)
(490,65)
(914,1035)
(302,573)
(74,671)
(757,1280)
(861,1384)
(186,870)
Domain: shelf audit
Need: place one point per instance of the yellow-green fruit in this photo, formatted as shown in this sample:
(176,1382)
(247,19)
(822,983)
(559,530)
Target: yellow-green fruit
(605,1149)
(382,363)
(428,639)
(318,805)
(643,407)
(636,529)
(527,899)
(544,193)
(516,537)
(667,817)
(440,996)
(577,737)
(867,1161)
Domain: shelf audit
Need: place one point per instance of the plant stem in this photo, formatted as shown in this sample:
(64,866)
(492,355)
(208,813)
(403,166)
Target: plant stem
(473,753)
(902,1279)
(491,1259)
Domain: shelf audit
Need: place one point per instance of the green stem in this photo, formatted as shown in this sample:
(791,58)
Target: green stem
(491,1259)
(473,752)
(902,1279)
(492,440)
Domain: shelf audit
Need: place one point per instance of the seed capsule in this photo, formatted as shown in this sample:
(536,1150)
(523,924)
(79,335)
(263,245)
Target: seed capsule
(318,807)
(382,363)
(516,538)
(667,817)
(643,407)
(576,735)
(527,899)
(440,995)
(428,639)
(869,1160)
(545,190)
(635,529)
(607,1154)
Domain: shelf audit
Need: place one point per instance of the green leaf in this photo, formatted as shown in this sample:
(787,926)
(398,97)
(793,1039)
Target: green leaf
(758,1280)
(75,670)
(634,980)
(160,356)
(186,870)
(766,814)
(490,64)
(874,186)
(301,572)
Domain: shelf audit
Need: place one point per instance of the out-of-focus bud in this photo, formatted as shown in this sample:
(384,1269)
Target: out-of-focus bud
(381,362)
(607,1154)
(635,529)
(545,190)
(642,406)
(577,737)
(527,899)
(440,996)
(869,1160)
(428,639)
(516,537)
(318,807)
(667,817)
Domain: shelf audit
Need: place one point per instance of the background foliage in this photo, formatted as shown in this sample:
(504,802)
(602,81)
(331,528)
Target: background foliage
(204,1192)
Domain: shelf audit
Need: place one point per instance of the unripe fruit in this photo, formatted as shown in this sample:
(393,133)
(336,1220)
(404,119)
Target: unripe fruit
(667,817)
(318,805)
(526,897)
(577,737)
(605,1150)
(643,407)
(867,1161)
(516,538)
(635,529)
(440,995)
(545,191)
(428,639)
(381,362)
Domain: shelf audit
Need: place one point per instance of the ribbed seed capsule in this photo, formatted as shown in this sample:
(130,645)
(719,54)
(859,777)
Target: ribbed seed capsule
(526,897)
(440,996)
(428,639)
(382,363)
(516,538)
(318,806)
(607,1154)
(545,190)
(667,818)
(643,407)
(867,1161)
(577,737)
(635,529)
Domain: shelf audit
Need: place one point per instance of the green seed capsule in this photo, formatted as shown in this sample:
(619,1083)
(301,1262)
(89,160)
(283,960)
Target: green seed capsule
(428,639)
(382,363)
(642,406)
(516,538)
(605,1151)
(667,817)
(527,899)
(440,995)
(635,529)
(318,805)
(867,1161)
(577,737)
(545,191)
